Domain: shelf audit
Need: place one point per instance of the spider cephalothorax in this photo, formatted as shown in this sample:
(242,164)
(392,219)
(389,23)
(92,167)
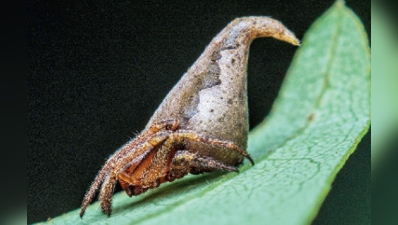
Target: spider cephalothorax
(201,125)
(156,156)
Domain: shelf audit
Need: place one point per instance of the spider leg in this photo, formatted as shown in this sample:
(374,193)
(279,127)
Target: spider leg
(130,146)
(93,189)
(159,163)
(109,183)
(222,143)
(201,163)
(150,143)
(107,192)
(105,172)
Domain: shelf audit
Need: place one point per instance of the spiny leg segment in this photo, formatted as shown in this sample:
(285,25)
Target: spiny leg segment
(109,183)
(107,192)
(159,164)
(130,146)
(202,163)
(193,136)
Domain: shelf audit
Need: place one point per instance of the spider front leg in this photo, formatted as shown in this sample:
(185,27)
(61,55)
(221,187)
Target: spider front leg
(130,147)
(147,148)
(185,162)
(193,136)
(107,192)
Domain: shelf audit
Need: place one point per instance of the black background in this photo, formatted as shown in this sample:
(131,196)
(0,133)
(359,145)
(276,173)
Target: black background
(97,70)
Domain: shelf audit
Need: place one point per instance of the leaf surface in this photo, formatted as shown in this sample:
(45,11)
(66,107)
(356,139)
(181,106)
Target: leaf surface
(321,113)
(385,80)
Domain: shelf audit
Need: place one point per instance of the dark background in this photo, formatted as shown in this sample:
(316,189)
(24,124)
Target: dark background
(97,71)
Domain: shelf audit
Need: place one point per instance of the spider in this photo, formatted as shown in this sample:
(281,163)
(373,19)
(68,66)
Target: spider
(156,156)
(209,102)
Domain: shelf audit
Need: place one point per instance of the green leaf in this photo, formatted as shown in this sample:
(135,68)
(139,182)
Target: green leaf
(385,80)
(322,112)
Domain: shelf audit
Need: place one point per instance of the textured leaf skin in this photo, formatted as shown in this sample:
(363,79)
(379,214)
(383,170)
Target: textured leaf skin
(321,114)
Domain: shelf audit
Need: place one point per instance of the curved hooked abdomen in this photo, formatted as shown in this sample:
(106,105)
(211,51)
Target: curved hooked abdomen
(211,98)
